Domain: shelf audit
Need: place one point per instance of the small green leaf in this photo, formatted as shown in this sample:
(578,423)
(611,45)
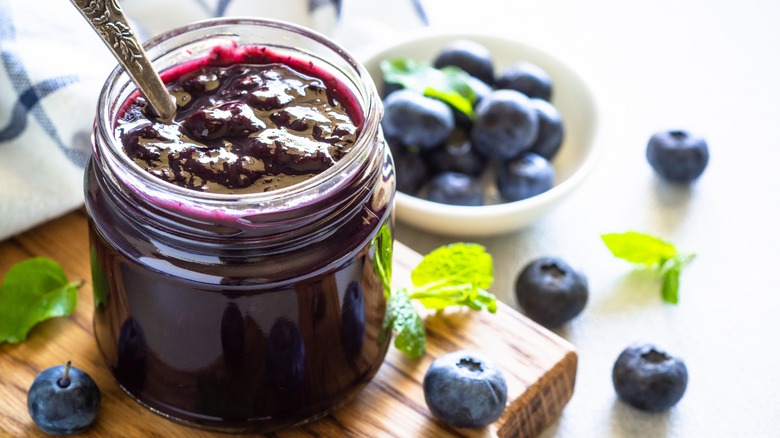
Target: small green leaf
(455,265)
(383,258)
(650,251)
(639,248)
(671,287)
(33,291)
(448,84)
(409,327)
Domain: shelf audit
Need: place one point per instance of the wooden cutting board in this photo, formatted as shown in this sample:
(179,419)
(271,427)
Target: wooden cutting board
(539,366)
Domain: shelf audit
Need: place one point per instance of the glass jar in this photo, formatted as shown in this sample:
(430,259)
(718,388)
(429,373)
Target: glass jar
(242,312)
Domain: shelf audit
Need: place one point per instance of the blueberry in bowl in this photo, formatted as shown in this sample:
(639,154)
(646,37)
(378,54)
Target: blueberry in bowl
(564,135)
(505,124)
(455,189)
(417,120)
(472,57)
(526,176)
(527,78)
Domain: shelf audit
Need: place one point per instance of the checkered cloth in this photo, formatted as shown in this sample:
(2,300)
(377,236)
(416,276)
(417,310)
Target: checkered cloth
(53,67)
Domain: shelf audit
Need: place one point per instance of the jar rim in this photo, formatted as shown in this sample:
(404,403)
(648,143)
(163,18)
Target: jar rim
(369,104)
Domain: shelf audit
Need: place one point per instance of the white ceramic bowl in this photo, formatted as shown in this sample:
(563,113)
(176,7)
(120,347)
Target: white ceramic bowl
(572,163)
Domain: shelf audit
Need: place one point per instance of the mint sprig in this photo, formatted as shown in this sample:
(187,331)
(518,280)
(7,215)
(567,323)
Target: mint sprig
(33,291)
(449,84)
(652,252)
(452,275)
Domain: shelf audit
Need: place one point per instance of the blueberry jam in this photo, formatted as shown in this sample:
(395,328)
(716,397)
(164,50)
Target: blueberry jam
(245,127)
(237,289)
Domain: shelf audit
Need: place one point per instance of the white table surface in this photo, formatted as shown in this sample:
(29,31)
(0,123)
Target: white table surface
(710,67)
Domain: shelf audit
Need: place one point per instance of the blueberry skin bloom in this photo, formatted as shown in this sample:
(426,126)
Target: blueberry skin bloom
(677,155)
(464,389)
(649,378)
(416,120)
(525,177)
(455,189)
(550,291)
(471,57)
(527,78)
(61,406)
(505,124)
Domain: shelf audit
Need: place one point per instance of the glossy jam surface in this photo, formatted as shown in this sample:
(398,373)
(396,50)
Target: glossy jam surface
(245,123)
(230,322)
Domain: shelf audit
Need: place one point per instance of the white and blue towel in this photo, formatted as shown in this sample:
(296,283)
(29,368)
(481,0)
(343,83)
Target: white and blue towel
(52,67)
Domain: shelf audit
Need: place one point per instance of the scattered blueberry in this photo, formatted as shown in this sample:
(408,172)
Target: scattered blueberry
(455,189)
(524,177)
(63,400)
(527,78)
(463,389)
(550,291)
(505,124)
(411,172)
(456,155)
(471,57)
(550,136)
(677,155)
(416,120)
(649,378)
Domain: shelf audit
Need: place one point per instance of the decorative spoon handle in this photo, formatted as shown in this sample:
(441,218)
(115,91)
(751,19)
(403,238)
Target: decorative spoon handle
(108,20)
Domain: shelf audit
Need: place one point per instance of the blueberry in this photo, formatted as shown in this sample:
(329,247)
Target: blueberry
(505,124)
(456,155)
(677,155)
(649,378)
(455,189)
(416,120)
(550,291)
(481,90)
(471,57)
(464,389)
(548,141)
(389,87)
(527,78)
(411,171)
(524,177)
(63,400)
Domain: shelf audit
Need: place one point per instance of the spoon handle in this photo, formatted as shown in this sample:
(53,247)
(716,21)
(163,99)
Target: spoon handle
(108,21)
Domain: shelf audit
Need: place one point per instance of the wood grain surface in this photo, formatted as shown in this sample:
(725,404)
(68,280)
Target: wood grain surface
(539,366)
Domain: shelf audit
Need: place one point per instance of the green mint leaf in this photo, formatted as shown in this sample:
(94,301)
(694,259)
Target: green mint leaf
(650,251)
(33,291)
(670,291)
(407,324)
(453,275)
(383,258)
(448,84)
(455,265)
(639,248)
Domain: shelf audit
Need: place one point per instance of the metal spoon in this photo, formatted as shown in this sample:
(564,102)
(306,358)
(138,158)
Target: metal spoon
(108,20)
